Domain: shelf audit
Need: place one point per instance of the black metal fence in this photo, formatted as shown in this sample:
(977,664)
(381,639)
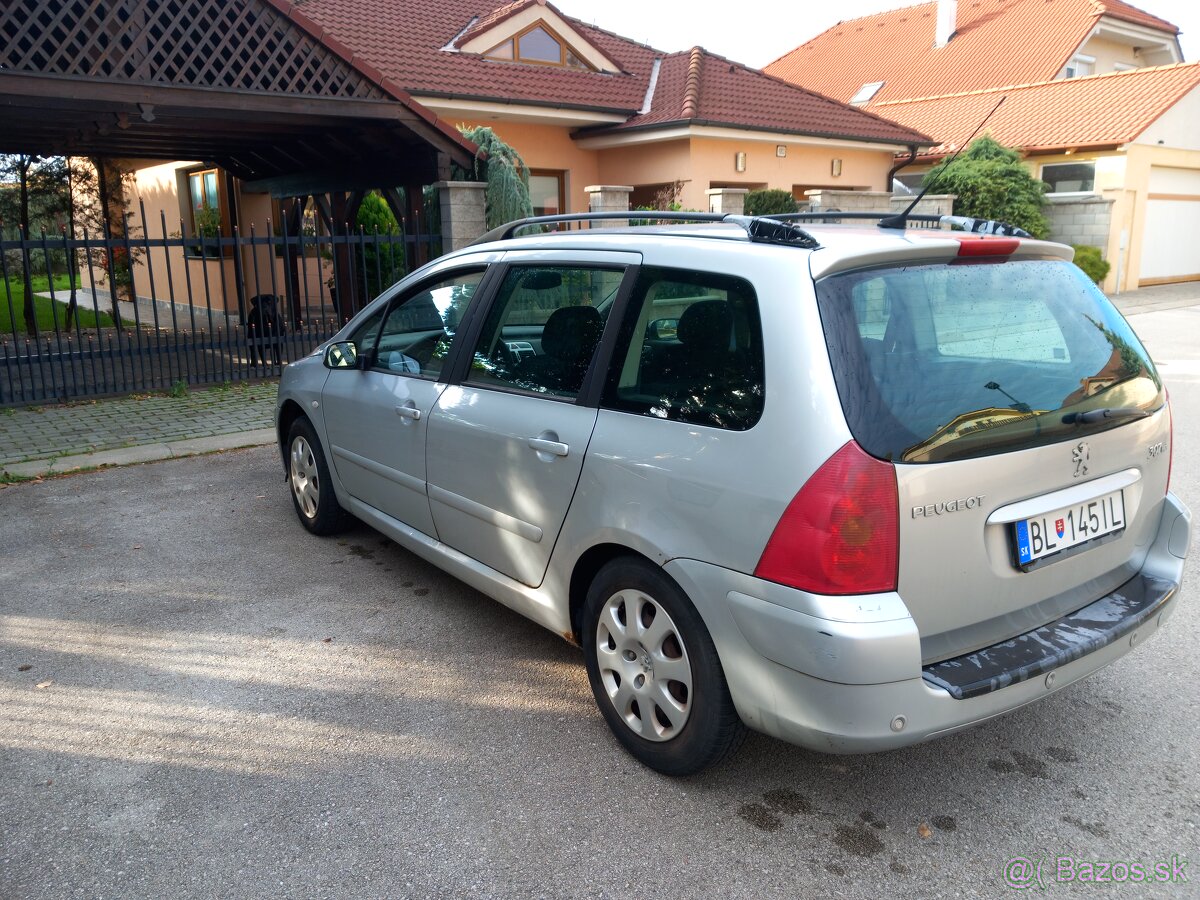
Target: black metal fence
(85,316)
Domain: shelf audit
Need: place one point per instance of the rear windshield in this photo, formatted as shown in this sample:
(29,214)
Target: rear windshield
(951,361)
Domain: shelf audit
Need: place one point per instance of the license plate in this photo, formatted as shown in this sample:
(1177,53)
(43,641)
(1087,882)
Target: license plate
(1071,526)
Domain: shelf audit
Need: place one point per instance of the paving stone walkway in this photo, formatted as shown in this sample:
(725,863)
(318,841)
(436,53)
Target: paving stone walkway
(92,427)
(1153,299)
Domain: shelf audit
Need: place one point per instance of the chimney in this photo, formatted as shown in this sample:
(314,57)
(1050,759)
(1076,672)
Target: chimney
(947,18)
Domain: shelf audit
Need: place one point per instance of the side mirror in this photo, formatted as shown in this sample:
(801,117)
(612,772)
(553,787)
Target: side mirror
(342,355)
(663,330)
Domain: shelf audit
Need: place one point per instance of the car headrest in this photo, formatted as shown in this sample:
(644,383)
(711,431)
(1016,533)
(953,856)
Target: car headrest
(706,326)
(572,332)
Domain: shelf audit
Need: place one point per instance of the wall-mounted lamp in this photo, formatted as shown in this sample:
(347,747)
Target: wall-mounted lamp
(739,162)
(781,150)
(835,168)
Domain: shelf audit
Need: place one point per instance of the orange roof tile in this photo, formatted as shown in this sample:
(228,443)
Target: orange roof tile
(402,41)
(996,42)
(1053,115)
(696,87)
(497,15)
(1120,10)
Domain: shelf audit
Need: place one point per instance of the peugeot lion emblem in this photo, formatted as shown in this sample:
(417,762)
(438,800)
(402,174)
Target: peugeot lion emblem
(1080,455)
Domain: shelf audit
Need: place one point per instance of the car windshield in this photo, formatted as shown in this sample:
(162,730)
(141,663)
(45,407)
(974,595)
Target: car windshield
(952,361)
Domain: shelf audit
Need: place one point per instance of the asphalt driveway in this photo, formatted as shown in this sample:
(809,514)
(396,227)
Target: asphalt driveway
(199,699)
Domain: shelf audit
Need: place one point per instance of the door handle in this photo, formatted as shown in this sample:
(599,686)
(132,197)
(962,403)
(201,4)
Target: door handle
(409,412)
(554,448)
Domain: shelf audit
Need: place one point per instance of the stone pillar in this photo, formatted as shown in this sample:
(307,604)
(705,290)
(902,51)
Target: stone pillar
(608,197)
(731,201)
(464,212)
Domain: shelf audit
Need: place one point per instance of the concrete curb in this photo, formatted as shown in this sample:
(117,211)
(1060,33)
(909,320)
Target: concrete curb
(143,453)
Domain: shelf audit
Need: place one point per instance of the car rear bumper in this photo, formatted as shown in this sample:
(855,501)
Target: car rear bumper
(1125,611)
(846,676)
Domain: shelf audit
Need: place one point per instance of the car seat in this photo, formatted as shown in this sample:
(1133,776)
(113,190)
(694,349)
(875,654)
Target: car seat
(569,339)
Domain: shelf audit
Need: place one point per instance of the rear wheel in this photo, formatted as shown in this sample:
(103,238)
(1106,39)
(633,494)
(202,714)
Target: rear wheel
(655,672)
(308,476)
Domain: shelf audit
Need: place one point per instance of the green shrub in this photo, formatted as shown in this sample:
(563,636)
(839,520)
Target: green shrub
(991,182)
(769,203)
(380,263)
(507,176)
(1093,264)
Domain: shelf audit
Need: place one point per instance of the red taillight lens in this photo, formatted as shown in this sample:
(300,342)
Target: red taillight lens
(987,246)
(841,532)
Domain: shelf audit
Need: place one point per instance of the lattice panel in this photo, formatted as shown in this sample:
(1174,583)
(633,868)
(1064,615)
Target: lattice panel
(240,44)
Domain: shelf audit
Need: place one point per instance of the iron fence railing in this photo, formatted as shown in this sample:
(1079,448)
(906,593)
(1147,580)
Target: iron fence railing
(85,316)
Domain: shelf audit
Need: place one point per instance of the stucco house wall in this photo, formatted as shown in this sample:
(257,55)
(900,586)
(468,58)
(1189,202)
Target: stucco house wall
(158,208)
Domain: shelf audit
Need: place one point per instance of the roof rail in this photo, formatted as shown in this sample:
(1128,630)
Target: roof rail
(770,230)
(963,223)
(758,229)
(835,216)
(509,229)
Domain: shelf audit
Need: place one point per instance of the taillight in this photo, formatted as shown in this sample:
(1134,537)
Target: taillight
(984,246)
(841,532)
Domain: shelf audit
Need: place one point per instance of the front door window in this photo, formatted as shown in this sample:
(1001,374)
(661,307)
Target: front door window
(418,330)
(543,329)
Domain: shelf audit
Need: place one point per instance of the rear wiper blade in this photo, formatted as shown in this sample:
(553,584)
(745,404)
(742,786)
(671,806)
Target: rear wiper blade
(1093,416)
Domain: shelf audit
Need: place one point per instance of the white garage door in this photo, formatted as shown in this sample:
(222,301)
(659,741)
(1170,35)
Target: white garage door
(1169,251)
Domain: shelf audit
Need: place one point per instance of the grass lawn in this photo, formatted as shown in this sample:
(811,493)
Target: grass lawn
(46,310)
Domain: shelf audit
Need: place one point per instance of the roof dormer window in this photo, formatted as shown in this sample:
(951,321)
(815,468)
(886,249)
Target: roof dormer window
(866,92)
(1080,66)
(539,45)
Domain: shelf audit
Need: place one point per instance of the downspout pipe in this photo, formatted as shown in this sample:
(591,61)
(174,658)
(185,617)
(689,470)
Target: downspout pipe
(912,156)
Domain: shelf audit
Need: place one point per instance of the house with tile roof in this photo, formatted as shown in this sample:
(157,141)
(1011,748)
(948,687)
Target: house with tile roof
(1096,95)
(586,107)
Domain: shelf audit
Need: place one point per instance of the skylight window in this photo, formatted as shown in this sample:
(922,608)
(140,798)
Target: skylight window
(866,92)
(538,44)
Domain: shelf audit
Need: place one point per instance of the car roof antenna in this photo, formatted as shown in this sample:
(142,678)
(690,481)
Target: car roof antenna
(901,221)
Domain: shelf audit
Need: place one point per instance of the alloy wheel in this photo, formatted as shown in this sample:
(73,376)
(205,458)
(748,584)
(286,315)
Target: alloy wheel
(306,483)
(644,665)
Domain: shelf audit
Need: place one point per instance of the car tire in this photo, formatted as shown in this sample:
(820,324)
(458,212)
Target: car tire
(655,672)
(316,504)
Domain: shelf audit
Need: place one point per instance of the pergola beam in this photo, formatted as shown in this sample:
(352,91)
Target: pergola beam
(287,134)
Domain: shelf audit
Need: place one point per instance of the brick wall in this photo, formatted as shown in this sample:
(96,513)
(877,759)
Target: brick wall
(1080,219)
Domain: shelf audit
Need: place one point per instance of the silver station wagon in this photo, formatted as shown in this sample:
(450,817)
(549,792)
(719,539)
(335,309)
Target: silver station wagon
(851,486)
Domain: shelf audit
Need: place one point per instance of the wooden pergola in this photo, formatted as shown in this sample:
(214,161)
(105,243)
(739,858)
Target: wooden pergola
(249,85)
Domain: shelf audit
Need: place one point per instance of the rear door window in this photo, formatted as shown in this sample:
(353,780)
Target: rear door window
(691,350)
(948,361)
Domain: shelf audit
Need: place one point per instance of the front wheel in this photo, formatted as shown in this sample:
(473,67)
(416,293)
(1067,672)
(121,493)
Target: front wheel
(654,670)
(308,476)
